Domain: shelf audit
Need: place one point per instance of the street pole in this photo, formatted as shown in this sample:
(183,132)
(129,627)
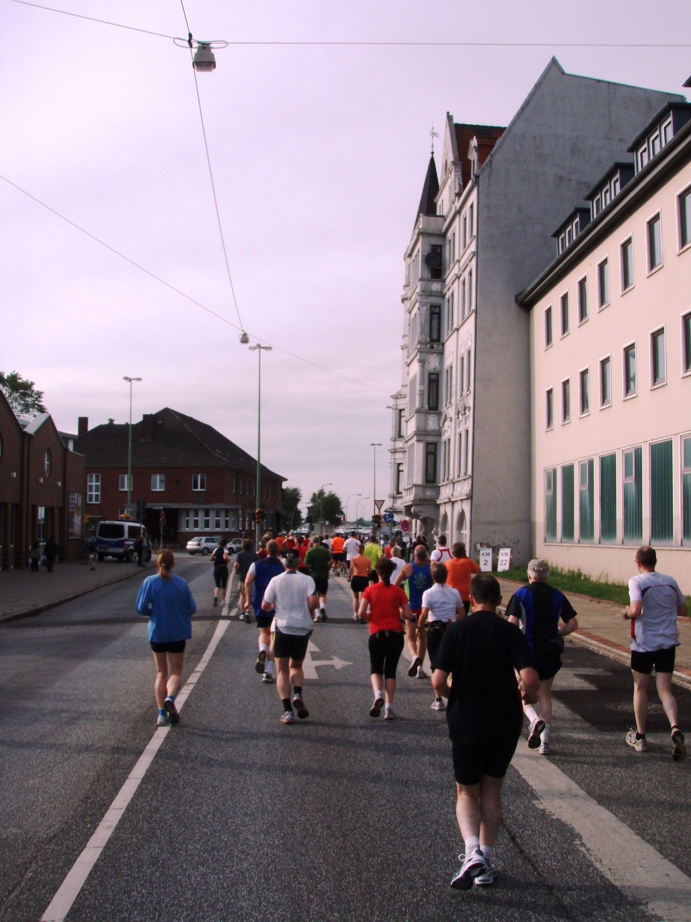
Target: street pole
(347,501)
(374,446)
(321,490)
(357,506)
(258,499)
(129,450)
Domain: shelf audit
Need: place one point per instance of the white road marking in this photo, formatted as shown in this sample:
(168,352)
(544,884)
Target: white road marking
(626,859)
(309,665)
(76,878)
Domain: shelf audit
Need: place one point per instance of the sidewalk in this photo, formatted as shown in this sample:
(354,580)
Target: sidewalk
(602,629)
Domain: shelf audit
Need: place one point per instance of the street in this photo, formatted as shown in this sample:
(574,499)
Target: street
(339,817)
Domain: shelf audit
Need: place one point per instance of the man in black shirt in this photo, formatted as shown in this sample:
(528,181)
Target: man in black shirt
(243,562)
(482,653)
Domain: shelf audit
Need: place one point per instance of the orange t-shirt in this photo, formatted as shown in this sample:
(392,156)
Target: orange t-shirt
(337,545)
(281,541)
(460,571)
(361,565)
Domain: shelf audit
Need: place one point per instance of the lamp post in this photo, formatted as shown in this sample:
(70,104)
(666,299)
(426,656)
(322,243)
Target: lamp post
(130,381)
(321,509)
(346,503)
(258,503)
(357,506)
(374,446)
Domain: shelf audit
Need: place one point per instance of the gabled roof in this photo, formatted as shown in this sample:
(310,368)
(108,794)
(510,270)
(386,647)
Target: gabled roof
(35,424)
(487,136)
(428,204)
(672,106)
(165,439)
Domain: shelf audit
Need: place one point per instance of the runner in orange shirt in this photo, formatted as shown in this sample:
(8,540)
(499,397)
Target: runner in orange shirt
(460,572)
(338,554)
(360,567)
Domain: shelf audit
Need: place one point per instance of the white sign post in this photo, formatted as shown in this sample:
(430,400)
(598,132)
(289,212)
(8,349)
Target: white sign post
(504,558)
(486,559)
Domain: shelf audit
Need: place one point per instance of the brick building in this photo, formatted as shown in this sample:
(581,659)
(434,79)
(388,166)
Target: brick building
(187,478)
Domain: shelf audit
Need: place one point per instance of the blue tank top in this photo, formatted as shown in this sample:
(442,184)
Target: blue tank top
(418,581)
(264,572)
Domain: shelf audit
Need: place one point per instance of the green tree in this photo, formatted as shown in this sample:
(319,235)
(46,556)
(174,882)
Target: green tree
(292,517)
(21,394)
(326,507)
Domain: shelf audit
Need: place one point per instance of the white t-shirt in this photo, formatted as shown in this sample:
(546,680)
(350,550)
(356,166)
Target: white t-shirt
(288,592)
(350,547)
(399,563)
(441,555)
(656,626)
(442,601)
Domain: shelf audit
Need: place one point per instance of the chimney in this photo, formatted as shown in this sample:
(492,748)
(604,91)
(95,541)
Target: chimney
(82,425)
(146,427)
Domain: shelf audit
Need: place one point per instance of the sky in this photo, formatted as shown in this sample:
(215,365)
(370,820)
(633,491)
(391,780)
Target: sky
(318,155)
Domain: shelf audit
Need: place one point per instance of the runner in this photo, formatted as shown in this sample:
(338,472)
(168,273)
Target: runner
(219,559)
(383,605)
(441,554)
(303,547)
(292,598)
(461,569)
(484,716)
(350,547)
(338,554)
(318,559)
(290,544)
(441,606)
(397,560)
(419,579)
(243,561)
(167,601)
(258,578)
(656,603)
(360,567)
(537,609)
(374,552)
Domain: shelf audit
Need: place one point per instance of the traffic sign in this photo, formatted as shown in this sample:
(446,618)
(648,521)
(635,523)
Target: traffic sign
(379,503)
(388,516)
(405,525)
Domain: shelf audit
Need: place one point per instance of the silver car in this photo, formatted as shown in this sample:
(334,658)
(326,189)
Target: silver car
(203,546)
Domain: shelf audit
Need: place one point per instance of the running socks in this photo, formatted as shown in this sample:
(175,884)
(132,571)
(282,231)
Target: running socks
(263,647)
(162,712)
(544,736)
(640,736)
(287,704)
(472,845)
(297,690)
(531,713)
(488,852)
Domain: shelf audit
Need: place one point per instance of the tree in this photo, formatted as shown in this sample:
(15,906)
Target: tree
(326,507)
(21,394)
(292,517)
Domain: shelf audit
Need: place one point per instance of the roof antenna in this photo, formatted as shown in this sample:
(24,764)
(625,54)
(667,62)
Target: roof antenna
(433,134)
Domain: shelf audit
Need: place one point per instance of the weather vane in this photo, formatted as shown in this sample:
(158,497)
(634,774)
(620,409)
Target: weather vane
(433,134)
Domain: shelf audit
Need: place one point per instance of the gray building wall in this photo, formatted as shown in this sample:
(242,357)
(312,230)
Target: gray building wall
(567,133)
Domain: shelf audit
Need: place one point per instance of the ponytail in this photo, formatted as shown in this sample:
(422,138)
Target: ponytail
(166,562)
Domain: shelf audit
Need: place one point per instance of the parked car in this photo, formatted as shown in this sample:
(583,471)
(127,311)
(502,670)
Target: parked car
(203,545)
(234,545)
(116,539)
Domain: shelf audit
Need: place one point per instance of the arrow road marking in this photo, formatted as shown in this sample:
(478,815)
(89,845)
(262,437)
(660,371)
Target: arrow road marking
(309,665)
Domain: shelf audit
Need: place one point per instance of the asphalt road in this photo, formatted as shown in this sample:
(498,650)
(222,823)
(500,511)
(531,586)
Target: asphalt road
(340,817)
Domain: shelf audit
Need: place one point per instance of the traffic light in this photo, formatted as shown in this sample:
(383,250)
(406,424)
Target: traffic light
(376,519)
(259,516)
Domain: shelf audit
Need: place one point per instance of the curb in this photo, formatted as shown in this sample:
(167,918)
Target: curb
(621,654)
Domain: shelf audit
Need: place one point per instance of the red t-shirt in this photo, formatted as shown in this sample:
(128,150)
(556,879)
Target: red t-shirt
(385,607)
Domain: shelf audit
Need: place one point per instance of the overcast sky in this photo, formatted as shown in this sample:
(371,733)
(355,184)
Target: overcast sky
(318,154)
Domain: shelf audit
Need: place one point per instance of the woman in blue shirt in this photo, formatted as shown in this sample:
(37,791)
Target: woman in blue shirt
(169,605)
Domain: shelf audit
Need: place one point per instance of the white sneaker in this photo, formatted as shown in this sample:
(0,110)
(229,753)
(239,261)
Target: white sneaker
(421,674)
(473,866)
(162,721)
(544,749)
(488,878)
(389,713)
(536,728)
(438,705)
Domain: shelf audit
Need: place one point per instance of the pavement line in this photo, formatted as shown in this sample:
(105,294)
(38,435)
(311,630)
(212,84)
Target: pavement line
(69,889)
(627,860)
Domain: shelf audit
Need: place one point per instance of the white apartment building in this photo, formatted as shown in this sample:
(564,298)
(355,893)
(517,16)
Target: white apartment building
(460,447)
(610,339)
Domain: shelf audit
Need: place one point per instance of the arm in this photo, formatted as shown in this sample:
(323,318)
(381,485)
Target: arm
(633,611)
(267,606)
(144,599)
(363,611)
(440,683)
(190,600)
(460,612)
(422,617)
(570,626)
(406,612)
(403,575)
(249,580)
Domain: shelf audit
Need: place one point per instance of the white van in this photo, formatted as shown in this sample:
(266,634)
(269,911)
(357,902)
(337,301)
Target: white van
(116,539)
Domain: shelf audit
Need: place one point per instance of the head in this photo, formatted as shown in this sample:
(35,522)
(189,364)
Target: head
(485,592)
(439,573)
(538,571)
(384,570)
(292,561)
(441,541)
(316,541)
(421,554)
(372,539)
(458,550)
(360,548)
(246,544)
(396,551)
(353,534)
(166,562)
(222,542)
(273,548)
(646,558)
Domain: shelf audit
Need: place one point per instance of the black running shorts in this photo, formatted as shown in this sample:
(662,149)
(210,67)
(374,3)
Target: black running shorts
(292,646)
(175,646)
(472,761)
(359,583)
(434,637)
(662,660)
(321,584)
(385,648)
(220,577)
(264,619)
(547,663)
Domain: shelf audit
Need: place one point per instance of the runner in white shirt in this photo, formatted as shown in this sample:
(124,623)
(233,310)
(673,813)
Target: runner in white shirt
(398,561)
(441,553)
(441,606)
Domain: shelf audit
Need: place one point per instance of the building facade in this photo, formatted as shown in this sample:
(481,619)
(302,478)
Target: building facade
(610,338)
(464,445)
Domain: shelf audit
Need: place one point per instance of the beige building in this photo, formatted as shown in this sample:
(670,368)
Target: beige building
(610,339)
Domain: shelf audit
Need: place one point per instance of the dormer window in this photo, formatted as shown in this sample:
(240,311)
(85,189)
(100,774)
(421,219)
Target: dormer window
(606,197)
(597,205)
(642,156)
(562,243)
(615,186)
(666,132)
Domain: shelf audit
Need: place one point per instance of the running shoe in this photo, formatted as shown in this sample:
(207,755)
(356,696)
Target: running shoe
(356,618)
(639,745)
(438,705)
(215,601)
(544,749)
(389,713)
(173,715)
(473,866)
(267,678)
(247,618)
(488,878)
(300,709)
(417,661)
(536,728)
(678,746)
(375,710)
(287,717)
(421,674)
(322,611)
(162,721)
(261,659)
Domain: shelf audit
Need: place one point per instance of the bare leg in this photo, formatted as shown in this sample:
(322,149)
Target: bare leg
(468,810)
(490,809)
(283,686)
(663,681)
(421,645)
(640,699)
(544,700)
(297,676)
(161,680)
(411,637)
(390,686)
(377,685)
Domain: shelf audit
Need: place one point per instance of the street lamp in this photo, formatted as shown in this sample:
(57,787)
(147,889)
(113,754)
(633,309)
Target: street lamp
(357,506)
(346,503)
(374,446)
(321,509)
(129,450)
(258,504)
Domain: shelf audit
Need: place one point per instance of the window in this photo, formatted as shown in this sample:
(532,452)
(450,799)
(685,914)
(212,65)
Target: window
(630,371)
(435,323)
(586,500)
(548,327)
(399,478)
(661,492)
(597,205)
(122,482)
(158,483)
(564,314)
(606,382)
(468,376)
(633,495)
(463,301)
(433,391)
(584,391)
(657,358)
(627,264)
(410,463)
(549,409)
(466,452)
(654,243)
(448,385)
(608,498)
(461,375)
(400,423)
(93,488)
(603,283)
(686,488)
(551,505)
(471,221)
(566,401)
(470,291)
(465,231)
(582,300)
(685,219)
(434,261)
(642,156)
(46,462)
(199,482)
(567,518)
(445,457)
(431,462)
(686,343)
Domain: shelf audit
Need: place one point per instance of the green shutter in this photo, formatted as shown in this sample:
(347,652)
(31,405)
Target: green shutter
(551,504)
(586,500)
(567,518)
(633,495)
(608,498)
(686,489)
(661,492)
